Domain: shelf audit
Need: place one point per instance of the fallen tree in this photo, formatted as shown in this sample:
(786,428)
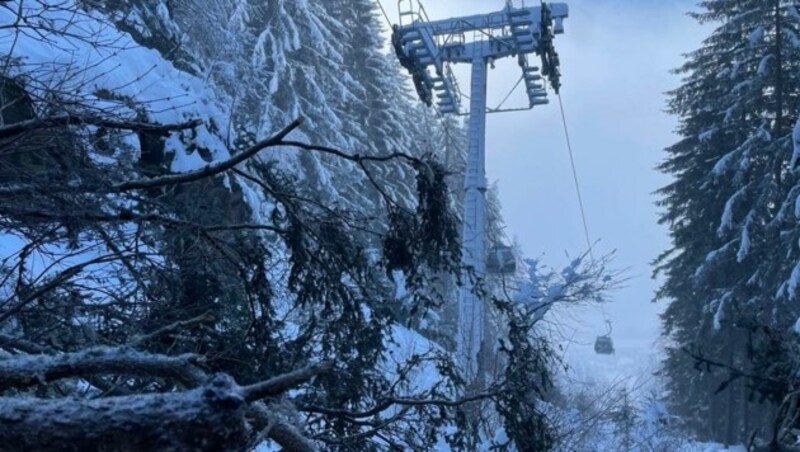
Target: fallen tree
(211,413)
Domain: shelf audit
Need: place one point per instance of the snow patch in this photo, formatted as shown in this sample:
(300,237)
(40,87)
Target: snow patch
(734,72)
(400,285)
(723,164)
(797,207)
(793,12)
(707,135)
(719,315)
(793,38)
(756,36)
(794,282)
(744,247)
(726,222)
(763,66)
(796,142)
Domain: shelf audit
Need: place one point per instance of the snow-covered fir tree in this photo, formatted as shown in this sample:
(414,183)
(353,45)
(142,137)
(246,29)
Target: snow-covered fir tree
(731,216)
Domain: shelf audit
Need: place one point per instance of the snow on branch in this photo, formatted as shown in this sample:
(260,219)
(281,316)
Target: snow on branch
(9,342)
(25,371)
(585,279)
(210,417)
(216,414)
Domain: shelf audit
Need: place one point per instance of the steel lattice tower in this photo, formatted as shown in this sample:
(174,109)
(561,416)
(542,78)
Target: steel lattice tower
(426,49)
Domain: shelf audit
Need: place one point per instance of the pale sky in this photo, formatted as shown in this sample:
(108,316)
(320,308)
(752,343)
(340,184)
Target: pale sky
(616,58)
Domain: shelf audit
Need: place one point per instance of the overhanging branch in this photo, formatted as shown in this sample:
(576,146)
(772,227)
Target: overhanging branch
(66,120)
(25,371)
(284,382)
(212,169)
(214,409)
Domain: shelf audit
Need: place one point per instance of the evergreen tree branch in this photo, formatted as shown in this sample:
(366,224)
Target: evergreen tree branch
(129,216)
(9,342)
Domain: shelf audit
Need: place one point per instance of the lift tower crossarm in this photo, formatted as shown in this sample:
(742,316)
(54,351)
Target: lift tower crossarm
(497,21)
(519,32)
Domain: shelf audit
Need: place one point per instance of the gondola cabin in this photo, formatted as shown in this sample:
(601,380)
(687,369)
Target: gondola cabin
(501,261)
(603,345)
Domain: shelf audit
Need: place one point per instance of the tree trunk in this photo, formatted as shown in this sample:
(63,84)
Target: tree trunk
(209,418)
(730,406)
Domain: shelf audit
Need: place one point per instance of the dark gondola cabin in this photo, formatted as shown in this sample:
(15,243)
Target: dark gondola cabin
(603,345)
(501,261)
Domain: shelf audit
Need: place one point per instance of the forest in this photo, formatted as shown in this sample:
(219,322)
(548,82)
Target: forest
(263,225)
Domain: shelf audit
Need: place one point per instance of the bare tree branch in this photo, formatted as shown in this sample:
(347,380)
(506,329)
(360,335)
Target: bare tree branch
(357,158)
(389,402)
(212,169)
(286,435)
(129,216)
(66,120)
(53,283)
(138,340)
(284,382)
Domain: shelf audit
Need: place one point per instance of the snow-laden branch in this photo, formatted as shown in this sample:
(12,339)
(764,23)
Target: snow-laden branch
(275,428)
(210,417)
(9,342)
(583,280)
(25,371)
(215,412)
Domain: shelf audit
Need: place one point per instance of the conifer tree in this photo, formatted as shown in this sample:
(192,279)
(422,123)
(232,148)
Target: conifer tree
(728,213)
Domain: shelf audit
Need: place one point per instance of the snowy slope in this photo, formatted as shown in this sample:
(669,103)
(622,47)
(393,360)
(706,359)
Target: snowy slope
(85,55)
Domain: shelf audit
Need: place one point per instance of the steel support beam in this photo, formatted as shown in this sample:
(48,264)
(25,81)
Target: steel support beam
(472,311)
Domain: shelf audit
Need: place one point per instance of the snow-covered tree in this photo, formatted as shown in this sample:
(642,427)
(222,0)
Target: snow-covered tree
(731,215)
